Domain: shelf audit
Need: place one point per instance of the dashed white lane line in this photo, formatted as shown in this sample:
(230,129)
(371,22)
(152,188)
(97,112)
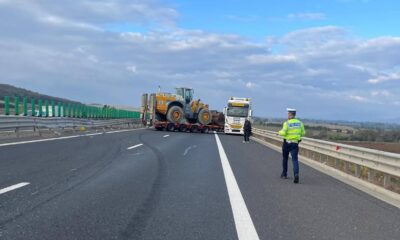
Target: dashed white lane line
(126,130)
(244,225)
(13,187)
(93,134)
(165,136)
(61,138)
(138,145)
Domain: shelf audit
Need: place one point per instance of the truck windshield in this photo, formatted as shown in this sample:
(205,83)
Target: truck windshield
(238,111)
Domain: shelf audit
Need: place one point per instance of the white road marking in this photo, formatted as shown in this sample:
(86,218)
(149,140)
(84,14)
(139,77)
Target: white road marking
(165,136)
(244,225)
(188,149)
(61,138)
(93,134)
(129,148)
(126,130)
(13,187)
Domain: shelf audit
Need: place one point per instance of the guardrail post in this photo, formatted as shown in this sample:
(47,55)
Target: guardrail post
(386,180)
(7,105)
(33,110)
(46,103)
(346,167)
(357,171)
(59,109)
(16,105)
(40,106)
(337,164)
(25,104)
(371,175)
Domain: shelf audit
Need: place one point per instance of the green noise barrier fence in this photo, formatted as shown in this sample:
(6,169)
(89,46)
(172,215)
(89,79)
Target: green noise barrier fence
(45,108)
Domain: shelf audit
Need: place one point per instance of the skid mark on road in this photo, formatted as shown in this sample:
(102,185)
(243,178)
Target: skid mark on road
(137,224)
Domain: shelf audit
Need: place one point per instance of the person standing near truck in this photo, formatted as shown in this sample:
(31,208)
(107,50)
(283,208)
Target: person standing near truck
(247,130)
(292,132)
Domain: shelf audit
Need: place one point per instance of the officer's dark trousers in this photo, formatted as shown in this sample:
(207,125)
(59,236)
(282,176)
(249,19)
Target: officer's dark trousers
(293,149)
(246,136)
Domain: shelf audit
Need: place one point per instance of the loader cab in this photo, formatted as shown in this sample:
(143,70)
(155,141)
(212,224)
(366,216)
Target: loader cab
(186,94)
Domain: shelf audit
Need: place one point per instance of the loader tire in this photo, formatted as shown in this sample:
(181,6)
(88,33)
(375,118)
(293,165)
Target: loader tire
(175,114)
(204,117)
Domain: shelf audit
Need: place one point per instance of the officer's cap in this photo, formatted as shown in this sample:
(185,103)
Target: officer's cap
(291,110)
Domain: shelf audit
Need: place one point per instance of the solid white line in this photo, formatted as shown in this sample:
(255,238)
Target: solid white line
(166,136)
(129,148)
(39,140)
(13,187)
(61,138)
(244,225)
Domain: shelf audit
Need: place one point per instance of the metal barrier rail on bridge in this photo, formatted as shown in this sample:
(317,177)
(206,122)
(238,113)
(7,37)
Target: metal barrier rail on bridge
(382,169)
(17,123)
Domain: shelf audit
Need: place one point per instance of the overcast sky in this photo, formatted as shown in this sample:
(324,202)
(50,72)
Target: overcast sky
(337,59)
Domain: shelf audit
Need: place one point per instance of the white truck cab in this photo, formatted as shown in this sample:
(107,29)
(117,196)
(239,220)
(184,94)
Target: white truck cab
(237,111)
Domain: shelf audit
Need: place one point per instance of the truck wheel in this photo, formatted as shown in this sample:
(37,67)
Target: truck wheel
(175,114)
(171,127)
(182,128)
(204,117)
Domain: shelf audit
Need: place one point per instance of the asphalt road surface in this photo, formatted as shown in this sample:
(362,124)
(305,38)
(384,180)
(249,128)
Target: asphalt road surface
(145,184)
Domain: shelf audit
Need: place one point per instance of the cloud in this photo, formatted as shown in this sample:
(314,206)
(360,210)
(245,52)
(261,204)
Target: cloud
(384,78)
(244,19)
(358,98)
(63,49)
(131,68)
(306,16)
(250,85)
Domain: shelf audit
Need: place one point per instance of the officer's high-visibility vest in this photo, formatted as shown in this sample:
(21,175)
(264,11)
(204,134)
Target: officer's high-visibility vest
(292,130)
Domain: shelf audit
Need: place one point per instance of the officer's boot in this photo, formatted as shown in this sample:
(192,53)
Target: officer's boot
(296,178)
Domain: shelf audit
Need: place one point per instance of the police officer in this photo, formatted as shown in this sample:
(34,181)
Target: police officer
(292,131)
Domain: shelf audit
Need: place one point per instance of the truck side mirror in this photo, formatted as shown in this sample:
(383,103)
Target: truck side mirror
(225,110)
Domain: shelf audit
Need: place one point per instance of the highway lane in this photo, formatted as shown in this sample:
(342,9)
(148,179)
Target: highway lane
(320,207)
(146,184)
(95,188)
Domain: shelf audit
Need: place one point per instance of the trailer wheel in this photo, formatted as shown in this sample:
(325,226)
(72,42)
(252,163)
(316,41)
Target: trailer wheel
(171,127)
(194,129)
(205,130)
(175,114)
(182,128)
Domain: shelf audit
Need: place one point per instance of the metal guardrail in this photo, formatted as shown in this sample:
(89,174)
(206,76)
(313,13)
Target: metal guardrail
(377,167)
(17,123)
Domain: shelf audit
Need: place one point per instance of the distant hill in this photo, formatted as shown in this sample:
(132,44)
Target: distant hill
(11,91)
